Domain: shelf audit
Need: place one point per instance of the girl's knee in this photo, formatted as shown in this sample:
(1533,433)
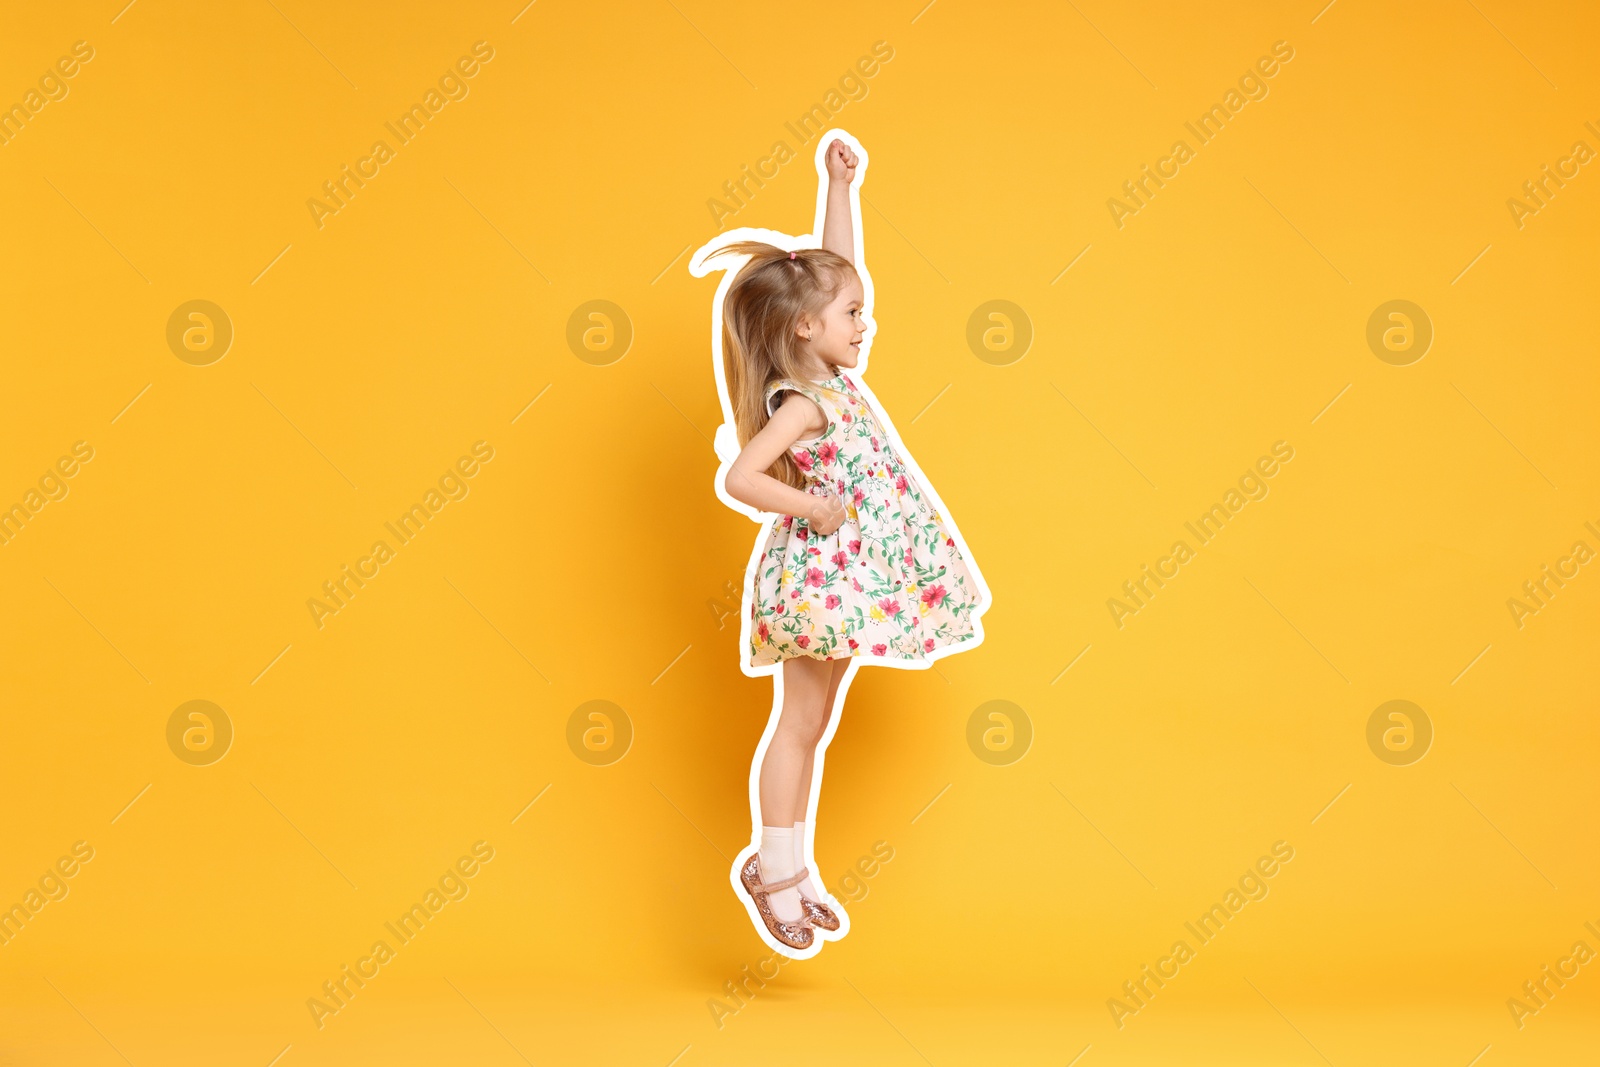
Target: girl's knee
(803,722)
(820,726)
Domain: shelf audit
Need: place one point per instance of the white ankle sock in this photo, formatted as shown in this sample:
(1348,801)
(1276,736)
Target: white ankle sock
(807,887)
(777,862)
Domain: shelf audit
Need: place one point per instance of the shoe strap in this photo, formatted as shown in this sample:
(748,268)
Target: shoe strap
(784,883)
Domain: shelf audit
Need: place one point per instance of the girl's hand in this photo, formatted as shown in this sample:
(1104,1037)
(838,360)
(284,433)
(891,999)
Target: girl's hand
(841,162)
(827,514)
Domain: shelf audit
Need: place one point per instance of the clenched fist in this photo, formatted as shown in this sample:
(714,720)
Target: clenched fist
(827,514)
(841,162)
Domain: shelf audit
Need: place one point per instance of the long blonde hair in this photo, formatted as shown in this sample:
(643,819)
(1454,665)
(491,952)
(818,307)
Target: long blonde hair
(759,346)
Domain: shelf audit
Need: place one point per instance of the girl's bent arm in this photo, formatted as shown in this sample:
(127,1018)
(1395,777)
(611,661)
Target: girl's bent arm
(748,481)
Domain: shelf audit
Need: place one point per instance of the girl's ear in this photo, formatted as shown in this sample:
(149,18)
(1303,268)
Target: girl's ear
(802,327)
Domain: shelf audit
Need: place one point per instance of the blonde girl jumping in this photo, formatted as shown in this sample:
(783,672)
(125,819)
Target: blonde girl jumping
(856,565)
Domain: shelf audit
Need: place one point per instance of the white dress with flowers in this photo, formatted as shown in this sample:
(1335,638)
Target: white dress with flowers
(890,583)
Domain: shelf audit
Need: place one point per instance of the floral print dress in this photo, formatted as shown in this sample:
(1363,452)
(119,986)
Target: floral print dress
(889,583)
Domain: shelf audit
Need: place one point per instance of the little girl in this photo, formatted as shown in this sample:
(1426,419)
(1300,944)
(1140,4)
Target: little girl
(858,564)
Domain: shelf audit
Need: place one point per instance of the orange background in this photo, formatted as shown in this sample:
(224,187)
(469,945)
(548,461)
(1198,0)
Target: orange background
(589,558)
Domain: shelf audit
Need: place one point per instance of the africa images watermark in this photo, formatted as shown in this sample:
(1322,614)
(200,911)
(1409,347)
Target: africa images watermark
(52,486)
(452,485)
(1537,993)
(52,86)
(452,886)
(452,85)
(1252,885)
(1539,191)
(852,87)
(52,885)
(1252,86)
(1539,592)
(1252,486)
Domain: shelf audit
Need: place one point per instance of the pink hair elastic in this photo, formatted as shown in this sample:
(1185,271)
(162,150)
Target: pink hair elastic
(791,255)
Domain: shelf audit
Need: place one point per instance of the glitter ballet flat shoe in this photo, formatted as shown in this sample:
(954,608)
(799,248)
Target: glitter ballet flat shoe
(818,913)
(796,933)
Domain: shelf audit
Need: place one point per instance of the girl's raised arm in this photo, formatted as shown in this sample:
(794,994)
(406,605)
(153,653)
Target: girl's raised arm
(836,234)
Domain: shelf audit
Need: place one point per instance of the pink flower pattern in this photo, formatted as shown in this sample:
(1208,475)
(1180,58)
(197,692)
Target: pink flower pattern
(890,582)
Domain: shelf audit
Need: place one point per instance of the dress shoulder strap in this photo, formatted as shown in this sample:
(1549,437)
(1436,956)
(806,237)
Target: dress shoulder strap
(806,389)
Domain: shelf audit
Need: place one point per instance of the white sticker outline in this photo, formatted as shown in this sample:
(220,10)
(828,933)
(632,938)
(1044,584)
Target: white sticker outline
(727,449)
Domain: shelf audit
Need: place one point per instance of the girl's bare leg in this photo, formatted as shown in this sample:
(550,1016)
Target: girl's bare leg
(802,803)
(835,677)
(805,693)
(800,723)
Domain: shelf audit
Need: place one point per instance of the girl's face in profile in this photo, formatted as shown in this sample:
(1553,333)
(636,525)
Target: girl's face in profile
(836,337)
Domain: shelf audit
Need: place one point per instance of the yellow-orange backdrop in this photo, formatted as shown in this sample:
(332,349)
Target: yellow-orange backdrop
(580,554)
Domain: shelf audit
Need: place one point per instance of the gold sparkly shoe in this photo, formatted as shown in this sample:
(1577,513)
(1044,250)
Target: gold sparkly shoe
(818,913)
(795,934)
